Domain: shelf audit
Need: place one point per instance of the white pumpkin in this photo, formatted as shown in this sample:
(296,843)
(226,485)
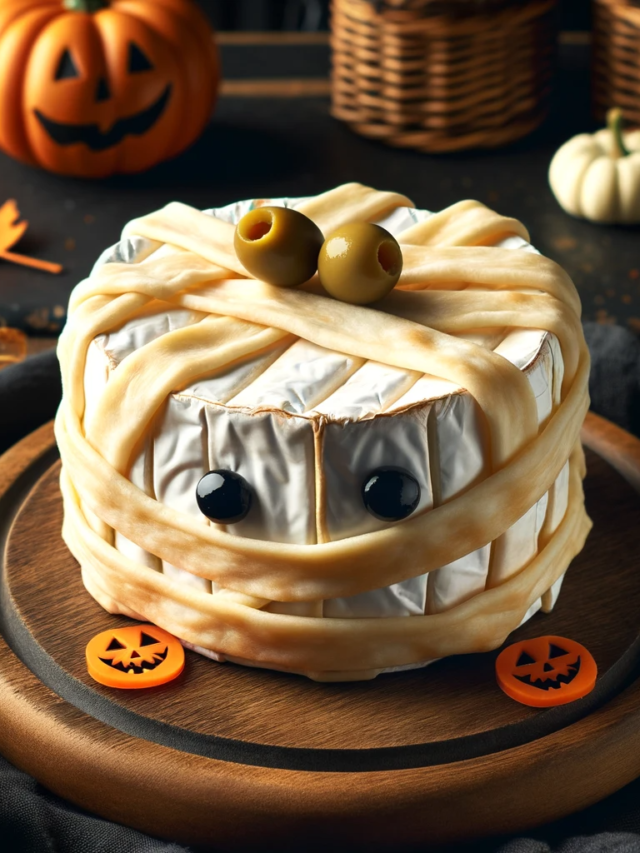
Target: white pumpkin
(597,176)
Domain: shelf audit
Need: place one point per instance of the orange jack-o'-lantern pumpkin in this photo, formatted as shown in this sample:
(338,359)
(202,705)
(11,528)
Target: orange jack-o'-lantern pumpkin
(546,671)
(94,87)
(134,657)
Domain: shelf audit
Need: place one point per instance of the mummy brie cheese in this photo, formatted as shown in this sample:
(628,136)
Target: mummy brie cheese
(287,481)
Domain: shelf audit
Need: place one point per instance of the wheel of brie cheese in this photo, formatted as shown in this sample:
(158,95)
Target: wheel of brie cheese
(287,481)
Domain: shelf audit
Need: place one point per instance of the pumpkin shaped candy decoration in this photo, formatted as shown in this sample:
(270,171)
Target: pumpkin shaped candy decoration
(91,88)
(134,657)
(546,671)
(597,176)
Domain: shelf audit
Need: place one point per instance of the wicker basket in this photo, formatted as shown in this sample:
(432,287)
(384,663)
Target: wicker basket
(616,58)
(442,76)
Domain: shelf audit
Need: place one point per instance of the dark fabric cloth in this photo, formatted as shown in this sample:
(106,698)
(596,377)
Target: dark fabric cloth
(605,842)
(614,383)
(32,819)
(29,396)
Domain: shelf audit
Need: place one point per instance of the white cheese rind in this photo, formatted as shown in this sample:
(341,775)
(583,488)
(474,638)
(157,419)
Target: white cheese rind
(277,417)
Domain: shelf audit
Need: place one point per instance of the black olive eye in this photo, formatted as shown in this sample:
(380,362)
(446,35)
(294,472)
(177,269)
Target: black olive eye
(223,496)
(390,494)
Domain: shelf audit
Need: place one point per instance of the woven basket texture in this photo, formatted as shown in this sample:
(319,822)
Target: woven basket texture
(442,76)
(616,58)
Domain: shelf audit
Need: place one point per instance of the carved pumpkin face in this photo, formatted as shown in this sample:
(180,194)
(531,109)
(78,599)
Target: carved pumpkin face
(113,91)
(546,671)
(135,656)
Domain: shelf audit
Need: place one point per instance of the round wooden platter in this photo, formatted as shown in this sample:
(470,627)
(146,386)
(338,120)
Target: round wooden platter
(250,759)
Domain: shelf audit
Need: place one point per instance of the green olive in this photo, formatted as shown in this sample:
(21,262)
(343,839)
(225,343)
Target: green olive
(360,263)
(278,245)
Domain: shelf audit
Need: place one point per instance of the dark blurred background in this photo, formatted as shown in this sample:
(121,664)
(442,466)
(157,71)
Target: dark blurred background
(313,15)
(305,151)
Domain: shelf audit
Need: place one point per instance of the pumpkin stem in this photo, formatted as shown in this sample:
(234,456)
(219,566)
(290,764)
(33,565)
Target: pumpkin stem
(614,123)
(87,6)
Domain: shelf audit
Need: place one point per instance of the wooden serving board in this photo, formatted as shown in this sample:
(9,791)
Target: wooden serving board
(250,759)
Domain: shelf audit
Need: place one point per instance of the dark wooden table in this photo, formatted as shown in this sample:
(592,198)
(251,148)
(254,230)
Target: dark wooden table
(272,135)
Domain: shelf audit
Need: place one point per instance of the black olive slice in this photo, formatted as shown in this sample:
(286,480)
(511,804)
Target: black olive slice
(390,494)
(224,496)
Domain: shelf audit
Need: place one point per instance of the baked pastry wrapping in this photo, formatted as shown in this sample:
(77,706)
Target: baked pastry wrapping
(457,295)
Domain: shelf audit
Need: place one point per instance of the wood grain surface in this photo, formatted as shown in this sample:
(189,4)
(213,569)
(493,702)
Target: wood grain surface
(226,781)
(268,88)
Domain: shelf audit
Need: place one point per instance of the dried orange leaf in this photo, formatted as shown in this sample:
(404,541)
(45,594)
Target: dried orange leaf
(10,229)
(13,346)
